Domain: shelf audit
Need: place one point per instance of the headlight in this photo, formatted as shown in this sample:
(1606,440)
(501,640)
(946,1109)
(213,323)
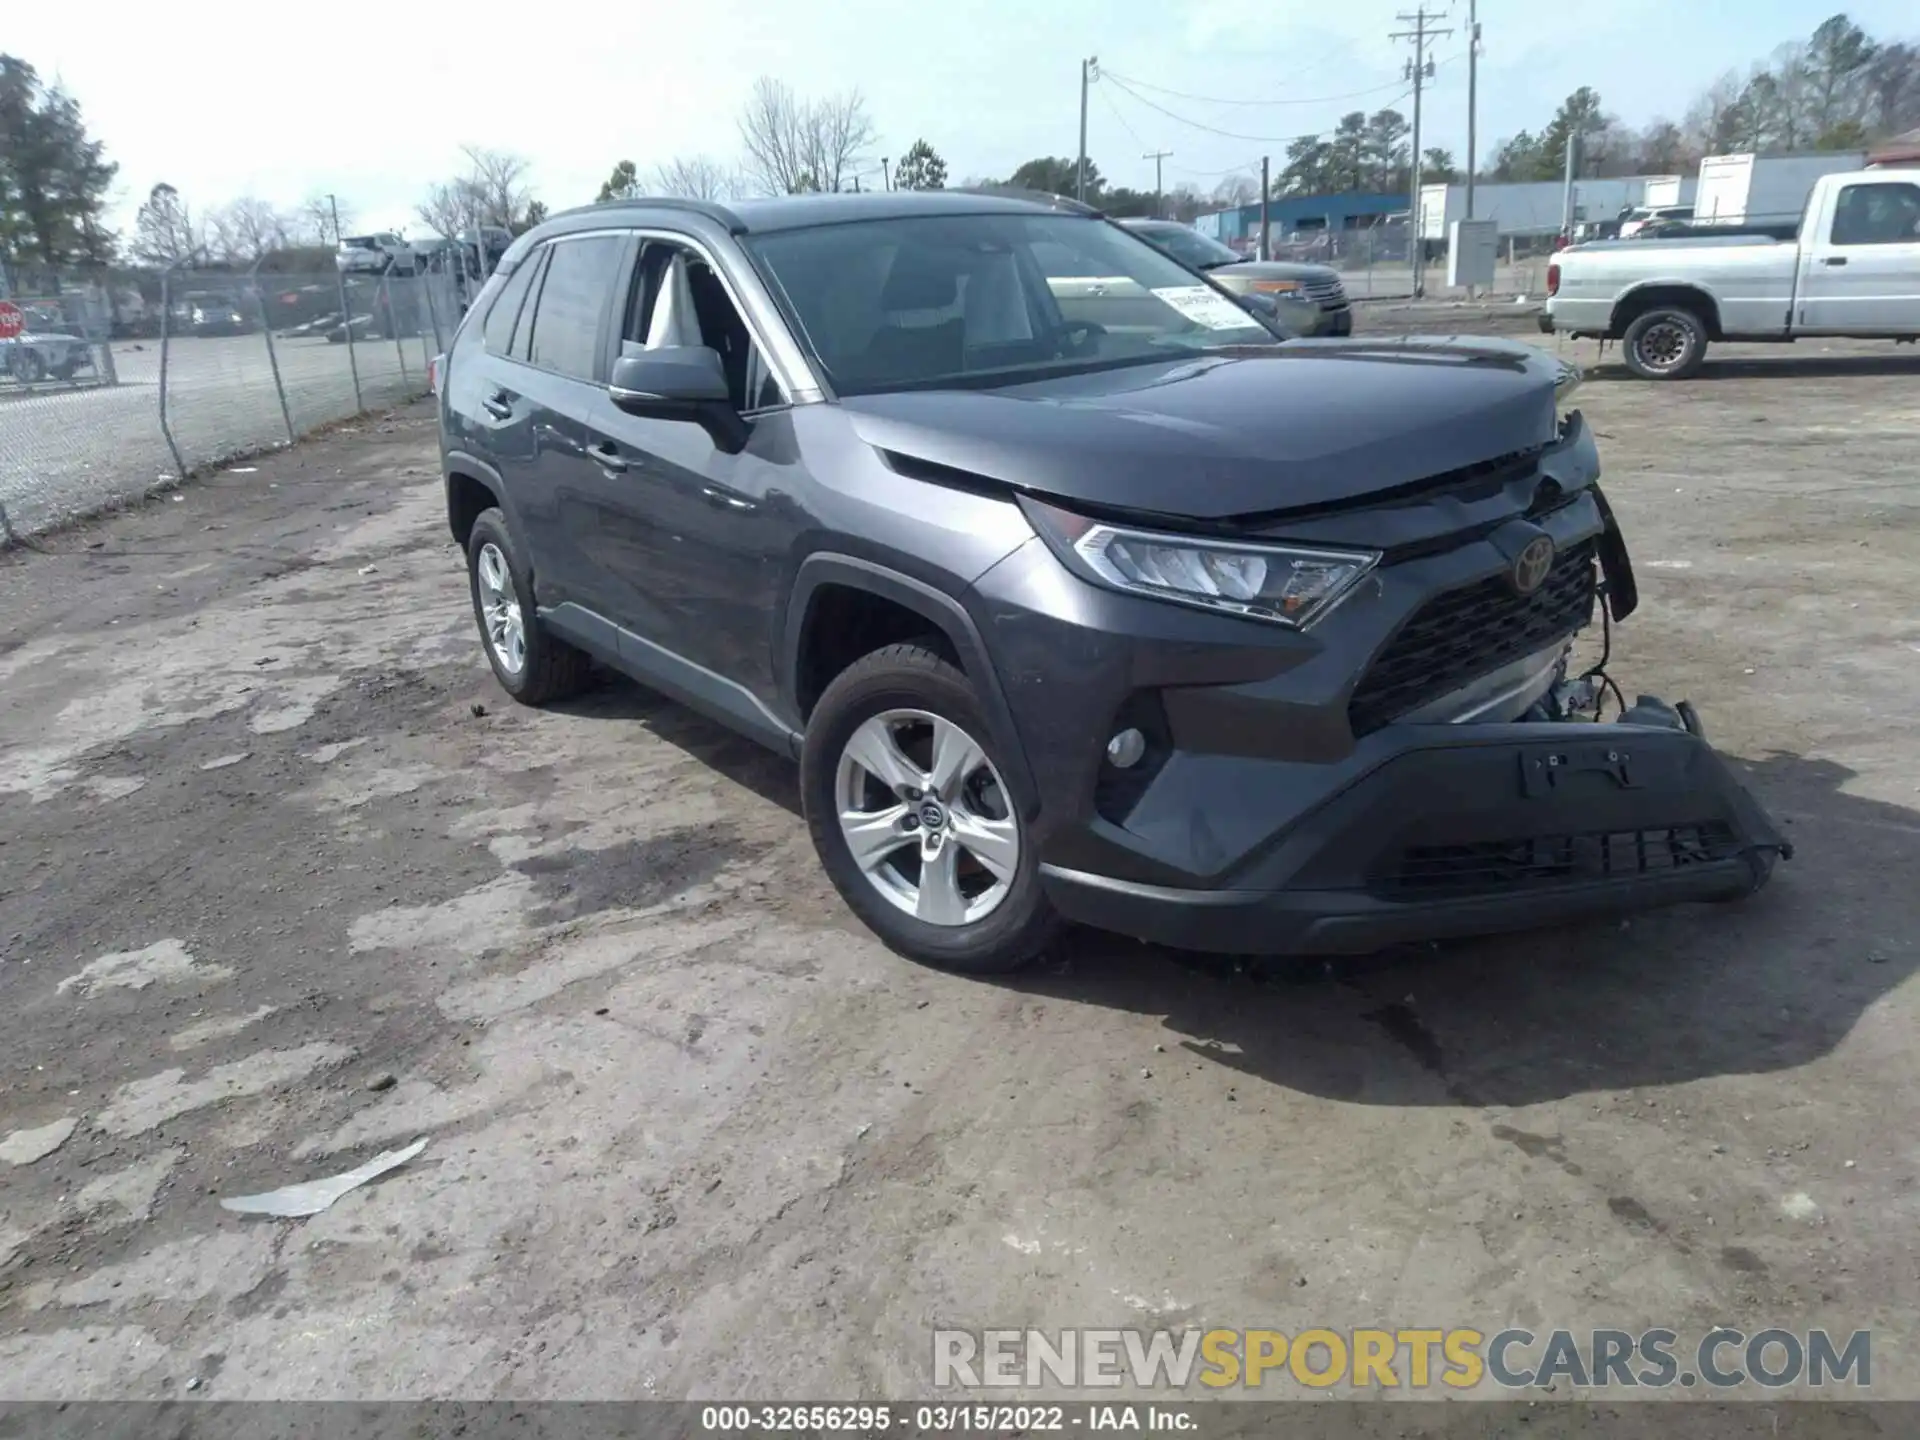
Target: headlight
(1276,287)
(1286,584)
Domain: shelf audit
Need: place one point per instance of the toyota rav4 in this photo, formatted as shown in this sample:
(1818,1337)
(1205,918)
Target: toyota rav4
(1095,603)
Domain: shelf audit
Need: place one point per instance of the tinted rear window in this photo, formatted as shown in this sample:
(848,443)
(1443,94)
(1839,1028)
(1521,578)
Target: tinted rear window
(497,336)
(573,301)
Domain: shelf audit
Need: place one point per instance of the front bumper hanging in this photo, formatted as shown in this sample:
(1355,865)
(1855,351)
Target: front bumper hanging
(1471,830)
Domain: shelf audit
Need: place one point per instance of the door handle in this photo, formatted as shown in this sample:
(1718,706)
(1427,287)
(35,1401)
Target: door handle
(1833,259)
(498,406)
(607,456)
(715,496)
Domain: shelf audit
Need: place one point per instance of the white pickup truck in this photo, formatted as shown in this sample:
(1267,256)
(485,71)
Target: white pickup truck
(1853,270)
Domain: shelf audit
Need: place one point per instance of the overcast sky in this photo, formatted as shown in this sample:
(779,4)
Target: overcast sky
(372,100)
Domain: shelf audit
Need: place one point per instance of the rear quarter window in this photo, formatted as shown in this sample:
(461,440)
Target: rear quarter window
(497,335)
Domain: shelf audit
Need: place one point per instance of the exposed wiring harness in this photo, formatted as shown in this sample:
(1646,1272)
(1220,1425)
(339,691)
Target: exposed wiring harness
(1598,670)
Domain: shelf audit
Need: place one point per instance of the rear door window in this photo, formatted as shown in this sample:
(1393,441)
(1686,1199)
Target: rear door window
(573,305)
(498,334)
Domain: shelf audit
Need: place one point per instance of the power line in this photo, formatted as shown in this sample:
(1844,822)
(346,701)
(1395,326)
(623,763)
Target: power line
(1245,167)
(1214,129)
(1217,100)
(1132,134)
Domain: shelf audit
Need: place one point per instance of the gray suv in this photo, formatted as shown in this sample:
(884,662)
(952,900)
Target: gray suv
(1116,608)
(1308,299)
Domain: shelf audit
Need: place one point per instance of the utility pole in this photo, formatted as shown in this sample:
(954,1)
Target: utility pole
(1419,70)
(886,175)
(1566,199)
(1089,72)
(1473,91)
(1156,156)
(1266,188)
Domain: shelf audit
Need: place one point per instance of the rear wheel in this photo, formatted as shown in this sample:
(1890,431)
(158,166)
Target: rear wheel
(912,818)
(531,664)
(1665,344)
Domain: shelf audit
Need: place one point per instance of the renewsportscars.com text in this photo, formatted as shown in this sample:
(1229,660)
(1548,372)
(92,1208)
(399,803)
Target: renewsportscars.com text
(1417,1359)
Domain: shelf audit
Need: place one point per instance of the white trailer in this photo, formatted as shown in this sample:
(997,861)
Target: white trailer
(1763,189)
(1660,192)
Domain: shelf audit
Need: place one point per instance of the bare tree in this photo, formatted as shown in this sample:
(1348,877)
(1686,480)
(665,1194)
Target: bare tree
(1893,88)
(795,145)
(165,231)
(247,229)
(499,183)
(696,177)
(492,192)
(316,220)
(839,132)
(450,208)
(1237,190)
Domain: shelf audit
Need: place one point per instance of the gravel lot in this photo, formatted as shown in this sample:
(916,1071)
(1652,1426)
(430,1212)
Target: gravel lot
(67,451)
(285,881)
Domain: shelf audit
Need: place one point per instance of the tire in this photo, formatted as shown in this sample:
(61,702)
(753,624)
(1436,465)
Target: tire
(1665,344)
(549,668)
(912,694)
(28,367)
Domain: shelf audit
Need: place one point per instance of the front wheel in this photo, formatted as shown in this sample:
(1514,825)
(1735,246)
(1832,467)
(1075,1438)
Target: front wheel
(913,820)
(1665,344)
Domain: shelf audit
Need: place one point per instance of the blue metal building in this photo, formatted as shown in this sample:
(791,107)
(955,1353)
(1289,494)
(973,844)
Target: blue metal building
(1289,213)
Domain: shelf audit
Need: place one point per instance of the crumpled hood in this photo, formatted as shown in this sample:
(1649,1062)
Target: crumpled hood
(1244,432)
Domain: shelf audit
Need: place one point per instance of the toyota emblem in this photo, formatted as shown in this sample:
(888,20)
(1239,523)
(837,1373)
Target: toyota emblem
(1532,565)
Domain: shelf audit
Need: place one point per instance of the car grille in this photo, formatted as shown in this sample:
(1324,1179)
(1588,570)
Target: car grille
(1435,872)
(1327,294)
(1460,635)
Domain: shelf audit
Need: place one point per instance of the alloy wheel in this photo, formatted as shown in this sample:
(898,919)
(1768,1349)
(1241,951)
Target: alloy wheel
(506,627)
(927,817)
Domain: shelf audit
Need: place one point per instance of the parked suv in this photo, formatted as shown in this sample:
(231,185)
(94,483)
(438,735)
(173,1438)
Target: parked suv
(1310,299)
(1154,622)
(375,255)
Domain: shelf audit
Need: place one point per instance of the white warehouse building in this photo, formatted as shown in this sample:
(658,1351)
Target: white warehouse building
(1730,189)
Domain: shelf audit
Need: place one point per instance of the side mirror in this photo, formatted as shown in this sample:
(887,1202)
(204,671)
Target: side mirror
(678,382)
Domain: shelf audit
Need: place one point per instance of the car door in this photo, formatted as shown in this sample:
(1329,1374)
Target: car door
(697,532)
(562,488)
(488,411)
(1860,275)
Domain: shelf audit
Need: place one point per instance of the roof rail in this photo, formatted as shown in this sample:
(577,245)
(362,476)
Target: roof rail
(712,209)
(1037,197)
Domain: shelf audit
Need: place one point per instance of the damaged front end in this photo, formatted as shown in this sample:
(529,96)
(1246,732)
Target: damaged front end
(1433,765)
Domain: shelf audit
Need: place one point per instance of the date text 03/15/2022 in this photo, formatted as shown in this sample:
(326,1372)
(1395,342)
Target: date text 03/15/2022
(946,1419)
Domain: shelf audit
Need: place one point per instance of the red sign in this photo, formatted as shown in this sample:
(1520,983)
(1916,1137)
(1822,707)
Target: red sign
(12,322)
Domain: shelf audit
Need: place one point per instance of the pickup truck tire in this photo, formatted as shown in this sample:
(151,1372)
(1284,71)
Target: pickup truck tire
(1665,344)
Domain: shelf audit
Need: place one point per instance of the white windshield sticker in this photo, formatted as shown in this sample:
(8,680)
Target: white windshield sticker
(1205,306)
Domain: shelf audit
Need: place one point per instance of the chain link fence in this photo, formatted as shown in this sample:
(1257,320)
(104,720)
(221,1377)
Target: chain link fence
(1376,261)
(110,390)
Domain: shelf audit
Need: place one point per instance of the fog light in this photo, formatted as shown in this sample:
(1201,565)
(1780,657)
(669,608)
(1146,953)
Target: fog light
(1125,749)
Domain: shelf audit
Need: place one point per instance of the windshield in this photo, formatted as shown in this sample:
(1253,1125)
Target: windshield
(1187,245)
(938,301)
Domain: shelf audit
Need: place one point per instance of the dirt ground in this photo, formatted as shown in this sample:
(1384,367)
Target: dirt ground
(286,881)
